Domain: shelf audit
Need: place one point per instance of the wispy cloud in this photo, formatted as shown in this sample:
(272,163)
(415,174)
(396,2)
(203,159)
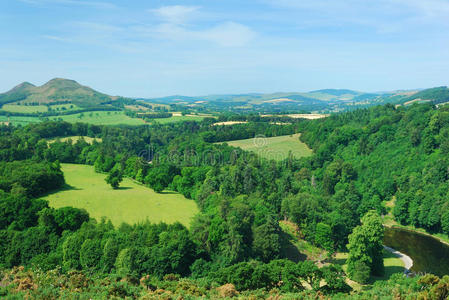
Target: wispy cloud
(228,34)
(177,23)
(176,14)
(57,38)
(386,16)
(430,10)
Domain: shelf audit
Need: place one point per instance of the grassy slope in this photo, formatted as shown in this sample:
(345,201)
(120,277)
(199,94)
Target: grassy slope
(19,120)
(37,108)
(24,109)
(274,147)
(131,203)
(103,118)
(177,119)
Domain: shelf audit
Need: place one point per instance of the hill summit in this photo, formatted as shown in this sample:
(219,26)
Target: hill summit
(55,91)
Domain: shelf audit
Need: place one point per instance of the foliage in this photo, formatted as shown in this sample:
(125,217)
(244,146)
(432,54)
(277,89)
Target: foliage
(114,177)
(365,248)
(360,159)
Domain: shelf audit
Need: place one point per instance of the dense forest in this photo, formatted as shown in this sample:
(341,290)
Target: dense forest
(361,159)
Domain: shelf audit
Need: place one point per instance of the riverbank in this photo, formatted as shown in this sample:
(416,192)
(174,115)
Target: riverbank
(428,253)
(389,221)
(440,237)
(407,260)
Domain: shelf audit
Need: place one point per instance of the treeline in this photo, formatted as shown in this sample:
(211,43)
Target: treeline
(30,178)
(148,115)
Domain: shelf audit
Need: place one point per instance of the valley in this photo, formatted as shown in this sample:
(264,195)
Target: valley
(213,196)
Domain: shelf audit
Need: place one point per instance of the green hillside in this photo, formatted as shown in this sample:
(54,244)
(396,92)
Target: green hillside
(55,91)
(436,95)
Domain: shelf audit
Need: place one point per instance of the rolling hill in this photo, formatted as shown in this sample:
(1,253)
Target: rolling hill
(436,95)
(326,100)
(57,90)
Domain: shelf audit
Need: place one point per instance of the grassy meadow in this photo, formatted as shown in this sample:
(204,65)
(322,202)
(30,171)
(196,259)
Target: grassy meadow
(131,203)
(276,148)
(63,107)
(176,118)
(100,118)
(16,120)
(24,108)
(30,109)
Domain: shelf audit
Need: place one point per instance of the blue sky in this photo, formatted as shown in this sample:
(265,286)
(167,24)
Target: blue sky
(157,48)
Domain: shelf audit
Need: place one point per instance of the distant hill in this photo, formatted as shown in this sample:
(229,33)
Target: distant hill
(337,92)
(435,95)
(56,91)
(260,98)
(325,100)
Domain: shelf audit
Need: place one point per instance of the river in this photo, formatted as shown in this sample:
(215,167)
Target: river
(428,253)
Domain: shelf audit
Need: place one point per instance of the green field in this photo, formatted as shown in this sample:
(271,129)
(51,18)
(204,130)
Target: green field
(100,118)
(131,203)
(30,109)
(276,148)
(177,119)
(94,117)
(24,108)
(19,120)
(64,107)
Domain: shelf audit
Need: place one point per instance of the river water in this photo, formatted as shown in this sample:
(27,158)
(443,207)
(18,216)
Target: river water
(429,254)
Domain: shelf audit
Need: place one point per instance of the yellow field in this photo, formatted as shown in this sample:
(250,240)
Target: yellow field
(277,148)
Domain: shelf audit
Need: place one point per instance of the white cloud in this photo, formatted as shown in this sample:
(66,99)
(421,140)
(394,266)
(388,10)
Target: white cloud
(177,25)
(175,14)
(229,34)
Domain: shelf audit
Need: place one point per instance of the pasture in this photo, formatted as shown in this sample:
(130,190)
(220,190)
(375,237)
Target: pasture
(29,109)
(131,203)
(276,148)
(100,118)
(177,118)
(18,120)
